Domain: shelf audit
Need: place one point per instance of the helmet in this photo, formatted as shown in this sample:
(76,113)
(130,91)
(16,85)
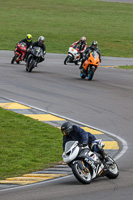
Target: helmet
(28,37)
(41,39)
(94,44)
(67,128)
(83,40)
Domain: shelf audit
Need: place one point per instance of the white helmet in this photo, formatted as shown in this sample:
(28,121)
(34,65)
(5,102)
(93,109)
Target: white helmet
(41,39)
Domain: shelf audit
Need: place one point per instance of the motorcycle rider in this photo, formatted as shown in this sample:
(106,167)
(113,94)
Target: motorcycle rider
(92,47)
(81,44)
(75,133)
(40,43)
(28,41)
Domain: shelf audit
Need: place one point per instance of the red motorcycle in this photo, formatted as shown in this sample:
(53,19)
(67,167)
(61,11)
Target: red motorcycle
(19,53)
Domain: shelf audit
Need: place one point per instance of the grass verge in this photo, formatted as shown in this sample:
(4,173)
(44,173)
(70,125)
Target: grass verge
(63,22)
(126,67)
(26,145)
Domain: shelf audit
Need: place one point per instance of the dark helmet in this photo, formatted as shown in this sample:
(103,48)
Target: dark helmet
(83,40)
(41,39)
(28,37)
(94,44)
(67,128)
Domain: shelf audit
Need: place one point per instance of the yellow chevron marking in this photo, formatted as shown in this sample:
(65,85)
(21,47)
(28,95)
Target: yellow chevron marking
(110,145)
(17,182)
(45,117)
(87,129)
(13,105)
(30,178)
(44,175)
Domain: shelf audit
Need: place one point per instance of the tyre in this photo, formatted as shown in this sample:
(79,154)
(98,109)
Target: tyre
(67,60)
(30,64)
(84,176)
(77,62)
(91,73)
(14,58)
(82,75)
(113,170)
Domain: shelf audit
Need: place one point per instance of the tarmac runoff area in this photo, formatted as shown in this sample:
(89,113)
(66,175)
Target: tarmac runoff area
(111,145)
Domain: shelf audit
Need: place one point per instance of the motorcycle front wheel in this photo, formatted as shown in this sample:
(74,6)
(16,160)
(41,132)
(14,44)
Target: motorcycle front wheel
(113,170)
(83,175)
(14,58)
(67,60)
(91,73)
(30,64)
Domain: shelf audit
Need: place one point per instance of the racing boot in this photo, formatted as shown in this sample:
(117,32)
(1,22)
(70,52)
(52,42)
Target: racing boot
(80,67)
(98,148)
(102,153)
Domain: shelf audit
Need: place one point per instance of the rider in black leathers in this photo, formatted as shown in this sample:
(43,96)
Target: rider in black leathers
(40,43)
(29,42)
(92,47)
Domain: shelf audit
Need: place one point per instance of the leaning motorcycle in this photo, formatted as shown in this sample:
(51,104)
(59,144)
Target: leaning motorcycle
(19,53)
(34,58)
(73,56)
(87,165)
(90,66)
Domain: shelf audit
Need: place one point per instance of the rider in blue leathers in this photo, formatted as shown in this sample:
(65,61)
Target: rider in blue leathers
(75,133)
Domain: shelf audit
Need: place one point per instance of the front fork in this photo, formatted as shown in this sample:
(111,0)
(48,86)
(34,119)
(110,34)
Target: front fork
(18,56)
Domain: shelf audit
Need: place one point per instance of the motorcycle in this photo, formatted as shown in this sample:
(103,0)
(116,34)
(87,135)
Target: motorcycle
(73,56)
(19,53)
(87,165)
(34,58)
(90,66)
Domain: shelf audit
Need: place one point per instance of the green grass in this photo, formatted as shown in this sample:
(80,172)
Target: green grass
(64,21)
(126,67)
(27,145)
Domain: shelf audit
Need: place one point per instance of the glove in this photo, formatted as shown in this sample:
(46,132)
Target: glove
(84,144)
(29,49)
(75,46)
(16,45)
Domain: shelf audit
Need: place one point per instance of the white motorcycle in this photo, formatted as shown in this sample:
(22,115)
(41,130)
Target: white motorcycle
(87,165)
(73,56)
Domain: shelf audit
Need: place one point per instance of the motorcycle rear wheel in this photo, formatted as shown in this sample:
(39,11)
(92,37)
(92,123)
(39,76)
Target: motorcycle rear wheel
(84,176)
(82,75)
(113,170)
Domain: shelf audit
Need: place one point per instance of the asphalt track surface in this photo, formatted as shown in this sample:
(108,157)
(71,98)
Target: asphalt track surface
(105,103)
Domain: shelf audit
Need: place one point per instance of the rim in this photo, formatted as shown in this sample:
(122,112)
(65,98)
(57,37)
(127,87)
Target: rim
(86,175)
